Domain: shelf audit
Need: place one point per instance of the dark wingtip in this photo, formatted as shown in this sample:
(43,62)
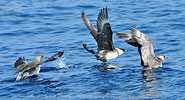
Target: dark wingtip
(106,12)
(84,45)
(82,13)
(60,53)
(20,61)
(106,9)
(54,57)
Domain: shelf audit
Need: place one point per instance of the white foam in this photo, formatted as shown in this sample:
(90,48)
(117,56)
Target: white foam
(61,64)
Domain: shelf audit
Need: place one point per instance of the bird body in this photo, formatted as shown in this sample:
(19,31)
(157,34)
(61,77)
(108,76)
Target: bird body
(108,55)
(145,48)
(103,37)
(25,69)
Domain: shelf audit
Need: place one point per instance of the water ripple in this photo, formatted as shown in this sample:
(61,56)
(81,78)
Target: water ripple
(33,27)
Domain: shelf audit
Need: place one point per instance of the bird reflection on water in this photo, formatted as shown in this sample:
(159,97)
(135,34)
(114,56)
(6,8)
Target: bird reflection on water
(106,67)
(151,82)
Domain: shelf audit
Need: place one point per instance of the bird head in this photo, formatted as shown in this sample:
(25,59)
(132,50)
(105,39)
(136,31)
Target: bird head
(162,57)
(121,50)
(39,57)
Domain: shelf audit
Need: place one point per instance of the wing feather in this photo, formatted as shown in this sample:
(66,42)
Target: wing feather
(104,37)
(92,29)
(20,64)
(144,44)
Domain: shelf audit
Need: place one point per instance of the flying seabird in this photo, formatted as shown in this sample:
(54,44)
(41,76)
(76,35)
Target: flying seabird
(103,37)
(145,48)
(26,70)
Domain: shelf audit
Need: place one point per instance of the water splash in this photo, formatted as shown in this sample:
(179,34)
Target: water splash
(61,62)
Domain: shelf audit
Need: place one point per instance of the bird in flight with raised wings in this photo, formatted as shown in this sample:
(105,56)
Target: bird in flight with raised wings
(103,36)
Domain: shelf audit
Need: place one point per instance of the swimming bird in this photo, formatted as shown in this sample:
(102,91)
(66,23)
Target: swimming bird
(103,37)
(26,70)
(145,48)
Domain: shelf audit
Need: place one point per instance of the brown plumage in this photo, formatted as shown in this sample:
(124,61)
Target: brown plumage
(145,48)
(26,69)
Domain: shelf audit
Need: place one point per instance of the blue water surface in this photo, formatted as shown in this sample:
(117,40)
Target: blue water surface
(32,27)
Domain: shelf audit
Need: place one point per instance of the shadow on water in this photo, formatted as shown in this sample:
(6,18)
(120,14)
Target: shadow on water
(106,67)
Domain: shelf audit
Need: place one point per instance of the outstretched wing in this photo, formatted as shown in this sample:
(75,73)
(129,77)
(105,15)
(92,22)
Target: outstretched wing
(92,29)
(54,57)
(104,36)
(20,64)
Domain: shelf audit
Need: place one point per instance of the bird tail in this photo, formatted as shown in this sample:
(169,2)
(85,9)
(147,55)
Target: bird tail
(131,38)
(123,35)
(19,77)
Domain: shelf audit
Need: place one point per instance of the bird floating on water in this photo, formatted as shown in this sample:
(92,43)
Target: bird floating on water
(103,37)
(145,48)
(26,70)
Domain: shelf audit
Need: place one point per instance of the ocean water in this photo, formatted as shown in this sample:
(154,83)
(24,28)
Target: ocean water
(32,27)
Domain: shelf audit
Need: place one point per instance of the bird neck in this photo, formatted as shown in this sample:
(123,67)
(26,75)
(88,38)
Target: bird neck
(36,60)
